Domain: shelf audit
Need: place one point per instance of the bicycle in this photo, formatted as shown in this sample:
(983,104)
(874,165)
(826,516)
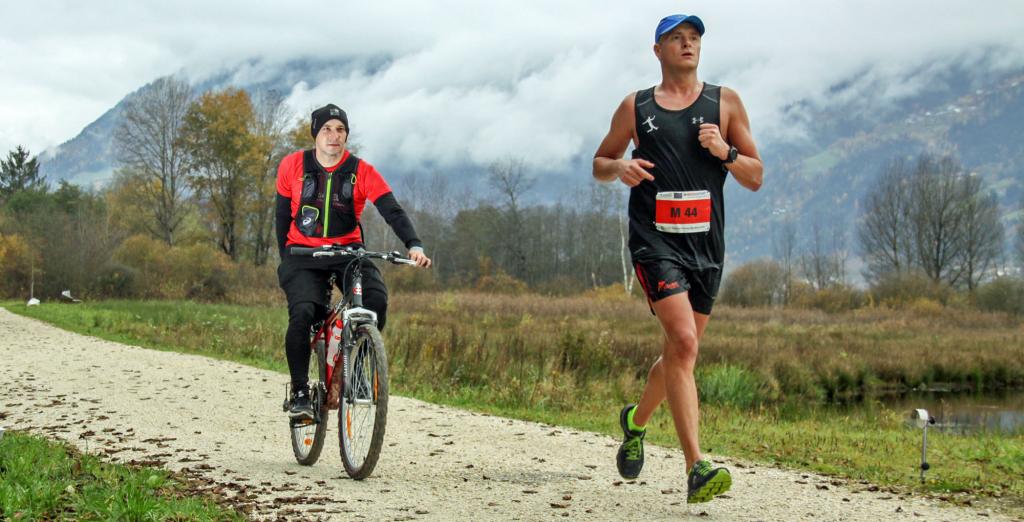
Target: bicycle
(360,390)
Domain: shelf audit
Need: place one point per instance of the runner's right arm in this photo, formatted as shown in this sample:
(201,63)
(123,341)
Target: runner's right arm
(608,161)
(283,208)
(282,221)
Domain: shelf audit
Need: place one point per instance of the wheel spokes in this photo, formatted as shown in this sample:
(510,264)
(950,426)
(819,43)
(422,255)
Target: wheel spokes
(361,404)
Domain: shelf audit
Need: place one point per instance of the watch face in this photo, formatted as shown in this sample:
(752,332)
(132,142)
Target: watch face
(733,153)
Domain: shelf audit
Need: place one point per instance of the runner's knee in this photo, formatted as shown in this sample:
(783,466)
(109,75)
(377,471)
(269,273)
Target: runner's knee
(681,346)
(377,300)
(301,315)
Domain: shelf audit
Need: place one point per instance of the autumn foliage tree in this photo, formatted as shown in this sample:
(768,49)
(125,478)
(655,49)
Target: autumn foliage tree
(223,153)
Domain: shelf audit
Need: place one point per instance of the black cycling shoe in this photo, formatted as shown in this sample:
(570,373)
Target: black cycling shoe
(630,458)
(705,483)
(301,406)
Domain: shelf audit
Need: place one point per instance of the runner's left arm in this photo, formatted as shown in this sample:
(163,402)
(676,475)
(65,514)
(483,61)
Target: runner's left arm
(394,215)
(747,169)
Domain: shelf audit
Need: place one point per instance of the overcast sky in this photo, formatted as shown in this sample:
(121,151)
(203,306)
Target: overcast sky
(476,81)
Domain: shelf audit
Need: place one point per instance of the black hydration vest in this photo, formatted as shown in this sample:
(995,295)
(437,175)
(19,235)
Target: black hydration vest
(669,140)
(326,207)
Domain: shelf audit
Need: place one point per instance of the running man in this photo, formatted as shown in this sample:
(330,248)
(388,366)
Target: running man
(321,194)
(688,136)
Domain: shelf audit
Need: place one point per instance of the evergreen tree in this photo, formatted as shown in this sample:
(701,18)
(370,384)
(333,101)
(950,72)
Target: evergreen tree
(18,173)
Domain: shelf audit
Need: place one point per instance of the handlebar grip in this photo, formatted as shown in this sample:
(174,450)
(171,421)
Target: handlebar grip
(302,251)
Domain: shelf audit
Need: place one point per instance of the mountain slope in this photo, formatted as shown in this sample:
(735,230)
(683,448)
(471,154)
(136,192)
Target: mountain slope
(820,179)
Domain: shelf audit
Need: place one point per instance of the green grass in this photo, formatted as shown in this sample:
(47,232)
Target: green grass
(575,361)
(43,480)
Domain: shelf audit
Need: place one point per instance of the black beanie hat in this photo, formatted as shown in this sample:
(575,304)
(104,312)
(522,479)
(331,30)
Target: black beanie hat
(325,113)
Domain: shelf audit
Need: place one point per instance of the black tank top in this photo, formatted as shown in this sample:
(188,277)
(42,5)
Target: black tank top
(669,140)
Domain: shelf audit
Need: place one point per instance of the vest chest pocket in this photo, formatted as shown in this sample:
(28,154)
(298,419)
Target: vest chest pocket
(341,197)
(308,220)
(309,186)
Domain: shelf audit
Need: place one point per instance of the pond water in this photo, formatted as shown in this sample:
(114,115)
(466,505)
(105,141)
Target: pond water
(965,412)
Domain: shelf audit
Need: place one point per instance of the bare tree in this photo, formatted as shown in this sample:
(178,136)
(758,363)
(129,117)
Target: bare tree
(1019,243)
(886,232)
(819,263)
(784,245)
(840,253)
(587,243)
(271,127)
(628,272)
(150,153)
(508,178)
(983,233)
(938,217)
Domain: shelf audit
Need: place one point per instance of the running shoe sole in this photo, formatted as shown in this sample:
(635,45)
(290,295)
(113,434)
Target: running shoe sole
(716,485)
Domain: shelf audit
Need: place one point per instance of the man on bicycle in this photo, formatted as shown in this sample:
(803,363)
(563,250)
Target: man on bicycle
(321,194)
(689,135)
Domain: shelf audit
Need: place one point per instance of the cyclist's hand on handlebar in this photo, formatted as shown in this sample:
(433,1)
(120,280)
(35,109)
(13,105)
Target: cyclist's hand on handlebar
(421,259)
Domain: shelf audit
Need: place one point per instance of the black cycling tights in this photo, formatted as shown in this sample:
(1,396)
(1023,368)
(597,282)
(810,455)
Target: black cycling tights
(301,317)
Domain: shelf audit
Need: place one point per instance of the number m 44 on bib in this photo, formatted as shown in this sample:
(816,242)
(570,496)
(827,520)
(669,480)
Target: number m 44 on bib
(683,212)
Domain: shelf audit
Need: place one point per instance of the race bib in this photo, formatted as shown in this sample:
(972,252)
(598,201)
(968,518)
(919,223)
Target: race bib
(683,212)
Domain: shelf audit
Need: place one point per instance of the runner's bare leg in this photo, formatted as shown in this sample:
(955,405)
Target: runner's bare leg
(683,321)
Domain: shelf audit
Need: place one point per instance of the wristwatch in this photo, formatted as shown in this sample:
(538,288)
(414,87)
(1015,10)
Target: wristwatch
(731,157)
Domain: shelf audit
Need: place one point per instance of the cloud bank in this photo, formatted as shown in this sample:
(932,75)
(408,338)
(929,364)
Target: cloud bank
(447,83)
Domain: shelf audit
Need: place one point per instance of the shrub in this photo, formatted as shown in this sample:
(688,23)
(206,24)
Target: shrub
(900,290)
(199,270)
(409,278)
(833,300)
(500,283)
(1003,294)
(925,307)
(15,265)
(614,292)
(117,281)
(758,283)
(213,287)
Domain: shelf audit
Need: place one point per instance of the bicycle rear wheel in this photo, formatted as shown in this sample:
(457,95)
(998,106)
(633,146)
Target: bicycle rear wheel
(308,434)
(364,405)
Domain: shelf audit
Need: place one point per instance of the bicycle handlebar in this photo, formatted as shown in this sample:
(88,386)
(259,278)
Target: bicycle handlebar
(338,250)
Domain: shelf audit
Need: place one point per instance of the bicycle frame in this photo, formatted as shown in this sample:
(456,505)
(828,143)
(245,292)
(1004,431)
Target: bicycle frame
(351,312)
(349,307)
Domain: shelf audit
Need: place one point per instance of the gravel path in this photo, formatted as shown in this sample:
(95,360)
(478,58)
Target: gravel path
(222,423)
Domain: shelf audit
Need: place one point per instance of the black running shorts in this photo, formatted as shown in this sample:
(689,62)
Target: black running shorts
(662,278)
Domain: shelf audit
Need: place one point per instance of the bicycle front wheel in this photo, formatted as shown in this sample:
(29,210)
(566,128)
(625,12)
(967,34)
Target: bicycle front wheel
(364,404)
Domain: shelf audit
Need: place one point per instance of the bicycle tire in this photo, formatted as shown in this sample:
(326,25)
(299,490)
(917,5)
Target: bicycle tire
(308,439)
(372,404)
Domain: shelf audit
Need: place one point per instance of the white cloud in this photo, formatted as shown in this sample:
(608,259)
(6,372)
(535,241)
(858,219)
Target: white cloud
(475,81)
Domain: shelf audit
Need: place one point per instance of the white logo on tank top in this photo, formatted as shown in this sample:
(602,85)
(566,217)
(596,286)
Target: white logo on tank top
(695,121)
(650,123)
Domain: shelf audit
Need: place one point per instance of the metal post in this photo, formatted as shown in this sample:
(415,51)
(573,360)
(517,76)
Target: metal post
(923,420)
(924,450)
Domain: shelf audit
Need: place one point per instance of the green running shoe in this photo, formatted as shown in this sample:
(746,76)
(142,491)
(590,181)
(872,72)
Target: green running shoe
(630,459)
(705,483)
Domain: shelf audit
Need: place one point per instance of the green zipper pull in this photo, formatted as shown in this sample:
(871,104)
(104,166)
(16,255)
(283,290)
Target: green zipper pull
(327,203)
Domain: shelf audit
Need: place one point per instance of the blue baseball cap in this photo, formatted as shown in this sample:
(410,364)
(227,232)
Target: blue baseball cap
(670,22)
